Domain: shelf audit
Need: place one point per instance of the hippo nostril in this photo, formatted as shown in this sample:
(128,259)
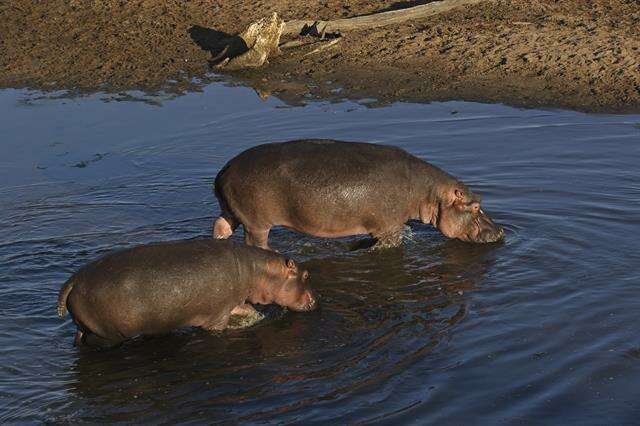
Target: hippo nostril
(497,236)
(491,235)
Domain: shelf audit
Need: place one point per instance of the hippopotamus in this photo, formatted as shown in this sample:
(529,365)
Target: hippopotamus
(329,188)
(156,288)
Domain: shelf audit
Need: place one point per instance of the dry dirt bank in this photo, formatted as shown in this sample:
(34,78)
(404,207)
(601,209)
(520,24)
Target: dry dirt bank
(575,53)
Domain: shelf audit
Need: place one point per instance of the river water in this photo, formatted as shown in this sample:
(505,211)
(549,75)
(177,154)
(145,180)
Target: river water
(540,329)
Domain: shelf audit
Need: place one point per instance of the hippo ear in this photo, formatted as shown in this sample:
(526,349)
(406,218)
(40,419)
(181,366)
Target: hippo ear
(290,264)
(460,197)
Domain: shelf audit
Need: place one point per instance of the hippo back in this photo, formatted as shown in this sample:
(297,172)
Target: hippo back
(318,184)
(154,288)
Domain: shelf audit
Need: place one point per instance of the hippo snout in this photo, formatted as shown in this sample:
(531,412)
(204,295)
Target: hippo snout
(492,235)
(309,302)
(488,231)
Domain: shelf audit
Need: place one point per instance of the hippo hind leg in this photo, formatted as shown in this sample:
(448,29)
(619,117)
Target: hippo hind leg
(223,227)
(78,339)
(93,340)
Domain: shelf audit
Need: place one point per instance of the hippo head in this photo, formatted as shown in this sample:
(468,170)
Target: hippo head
(457,214)
(286,285)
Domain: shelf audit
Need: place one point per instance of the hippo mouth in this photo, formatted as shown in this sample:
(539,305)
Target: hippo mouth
(311,305)
(490,236)
(487,231)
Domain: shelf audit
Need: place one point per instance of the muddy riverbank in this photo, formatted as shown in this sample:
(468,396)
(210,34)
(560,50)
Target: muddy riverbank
(574,54)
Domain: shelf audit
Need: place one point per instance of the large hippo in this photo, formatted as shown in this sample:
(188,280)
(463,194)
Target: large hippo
(157,288)
(329,188)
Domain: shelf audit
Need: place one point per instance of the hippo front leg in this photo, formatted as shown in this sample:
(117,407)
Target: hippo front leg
(244,310)
(243,316)
(218,324)
(257,237)
(388,239)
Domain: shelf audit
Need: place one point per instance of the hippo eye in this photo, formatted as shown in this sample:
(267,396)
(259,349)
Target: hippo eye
(474,207)
(305,275)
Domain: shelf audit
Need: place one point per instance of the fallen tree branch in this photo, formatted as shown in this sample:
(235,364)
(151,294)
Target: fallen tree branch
(323,47)
(298,43)
(374,20)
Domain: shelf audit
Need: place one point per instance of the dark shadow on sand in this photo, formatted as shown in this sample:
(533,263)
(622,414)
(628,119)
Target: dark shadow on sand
(404,5)
(220,44)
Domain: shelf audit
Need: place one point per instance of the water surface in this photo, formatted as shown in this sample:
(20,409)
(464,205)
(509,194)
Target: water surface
(540,329)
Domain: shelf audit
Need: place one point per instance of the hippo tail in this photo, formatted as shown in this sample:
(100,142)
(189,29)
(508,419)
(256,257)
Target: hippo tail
(218,190)
(217,184)
(62,297)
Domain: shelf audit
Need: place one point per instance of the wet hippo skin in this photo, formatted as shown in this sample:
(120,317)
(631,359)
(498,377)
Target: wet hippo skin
(157,288)
(329,188)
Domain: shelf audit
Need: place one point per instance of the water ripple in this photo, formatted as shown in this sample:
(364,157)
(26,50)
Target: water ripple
(542,325)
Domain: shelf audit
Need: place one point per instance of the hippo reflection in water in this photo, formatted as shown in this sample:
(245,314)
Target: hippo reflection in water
(329,188)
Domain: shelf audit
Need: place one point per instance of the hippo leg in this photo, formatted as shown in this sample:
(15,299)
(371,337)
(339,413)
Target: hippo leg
(217,325)
(257,237)
(91,339)
(387,239)
(362,244)
(223,227)
(244,310)
(78,339)
(243,316)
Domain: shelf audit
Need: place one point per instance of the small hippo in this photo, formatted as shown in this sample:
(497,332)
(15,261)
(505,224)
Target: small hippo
(329,188)
(157,288)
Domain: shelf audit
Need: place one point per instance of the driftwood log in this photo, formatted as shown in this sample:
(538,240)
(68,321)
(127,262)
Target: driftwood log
(374,20)
(262,38)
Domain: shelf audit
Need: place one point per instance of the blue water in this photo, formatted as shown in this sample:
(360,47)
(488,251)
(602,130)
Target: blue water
(542,329)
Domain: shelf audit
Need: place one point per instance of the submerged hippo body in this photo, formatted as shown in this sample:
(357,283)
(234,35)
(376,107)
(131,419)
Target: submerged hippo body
(157,288)
(329,188)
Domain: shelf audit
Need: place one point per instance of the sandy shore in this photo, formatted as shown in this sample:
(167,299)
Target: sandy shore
(575,53)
